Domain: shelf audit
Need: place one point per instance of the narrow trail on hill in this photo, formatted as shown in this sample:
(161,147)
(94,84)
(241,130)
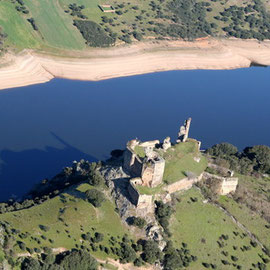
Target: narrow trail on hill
(235,221)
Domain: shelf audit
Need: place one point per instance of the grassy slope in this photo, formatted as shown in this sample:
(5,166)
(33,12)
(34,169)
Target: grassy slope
(76,222)
(55,26)
(20,33)
(193,221)
(250,219)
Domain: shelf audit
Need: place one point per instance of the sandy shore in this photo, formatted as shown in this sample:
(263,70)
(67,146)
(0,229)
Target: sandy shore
(30,67)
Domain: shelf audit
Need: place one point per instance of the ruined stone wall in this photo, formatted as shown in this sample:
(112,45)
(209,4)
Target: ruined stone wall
(140,200)
(226,184)
(159,167)
(131,163)
(145,202)
(183,184)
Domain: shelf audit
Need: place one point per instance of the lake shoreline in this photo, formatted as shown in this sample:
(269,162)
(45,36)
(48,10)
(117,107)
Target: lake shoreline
(30,67)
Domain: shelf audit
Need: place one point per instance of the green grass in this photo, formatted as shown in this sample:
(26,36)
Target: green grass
(129,16)
(20,32)
(56,30)
(139,151)
(148,190)
(200,226)
(55,26)
(1,256)
(180,159)
(78,217)
(250,219)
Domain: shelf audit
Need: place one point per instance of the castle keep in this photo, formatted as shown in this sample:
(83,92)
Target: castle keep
(140,160)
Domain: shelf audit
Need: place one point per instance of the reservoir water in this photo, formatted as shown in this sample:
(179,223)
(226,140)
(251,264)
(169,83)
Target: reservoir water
(45,127)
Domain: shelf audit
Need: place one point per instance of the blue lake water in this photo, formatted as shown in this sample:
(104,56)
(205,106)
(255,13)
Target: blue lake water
(45,127)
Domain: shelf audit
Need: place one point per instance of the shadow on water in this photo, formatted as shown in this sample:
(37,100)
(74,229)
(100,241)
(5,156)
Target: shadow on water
(34,165)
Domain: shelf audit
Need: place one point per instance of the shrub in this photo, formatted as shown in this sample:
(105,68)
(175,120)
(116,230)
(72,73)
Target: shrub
(44,228)
(95,197)
(139,222)
(98,237)
(96,179)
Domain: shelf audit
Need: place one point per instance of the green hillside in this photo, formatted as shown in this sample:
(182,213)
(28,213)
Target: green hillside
(67,217)
(49,24)
(202,226)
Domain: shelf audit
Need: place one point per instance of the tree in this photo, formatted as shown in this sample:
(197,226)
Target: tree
(260,156)
(163,213)
(127,253)
(95,197)
(151,252)
(139,222)
(137,35)
(30,264)
(96,179)
(79,260)
(172,261)
(49,259)
(222,149)
(98,237)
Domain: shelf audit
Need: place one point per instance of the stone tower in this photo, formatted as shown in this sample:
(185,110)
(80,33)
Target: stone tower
(184,130)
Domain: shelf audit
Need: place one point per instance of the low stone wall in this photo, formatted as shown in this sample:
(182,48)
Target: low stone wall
(183,184)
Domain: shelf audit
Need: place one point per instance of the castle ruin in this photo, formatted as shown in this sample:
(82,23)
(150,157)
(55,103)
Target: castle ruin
(144,162)
(149,166)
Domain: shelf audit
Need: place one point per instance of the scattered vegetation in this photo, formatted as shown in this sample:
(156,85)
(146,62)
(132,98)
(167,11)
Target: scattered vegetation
(161,19)
(76,11)
(163,213)
(219,241)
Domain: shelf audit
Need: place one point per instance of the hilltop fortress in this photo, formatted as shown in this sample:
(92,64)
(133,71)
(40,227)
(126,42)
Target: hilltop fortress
(162,168)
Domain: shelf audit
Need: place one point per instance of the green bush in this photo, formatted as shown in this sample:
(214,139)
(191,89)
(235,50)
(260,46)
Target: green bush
(79,260)
(95,197)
